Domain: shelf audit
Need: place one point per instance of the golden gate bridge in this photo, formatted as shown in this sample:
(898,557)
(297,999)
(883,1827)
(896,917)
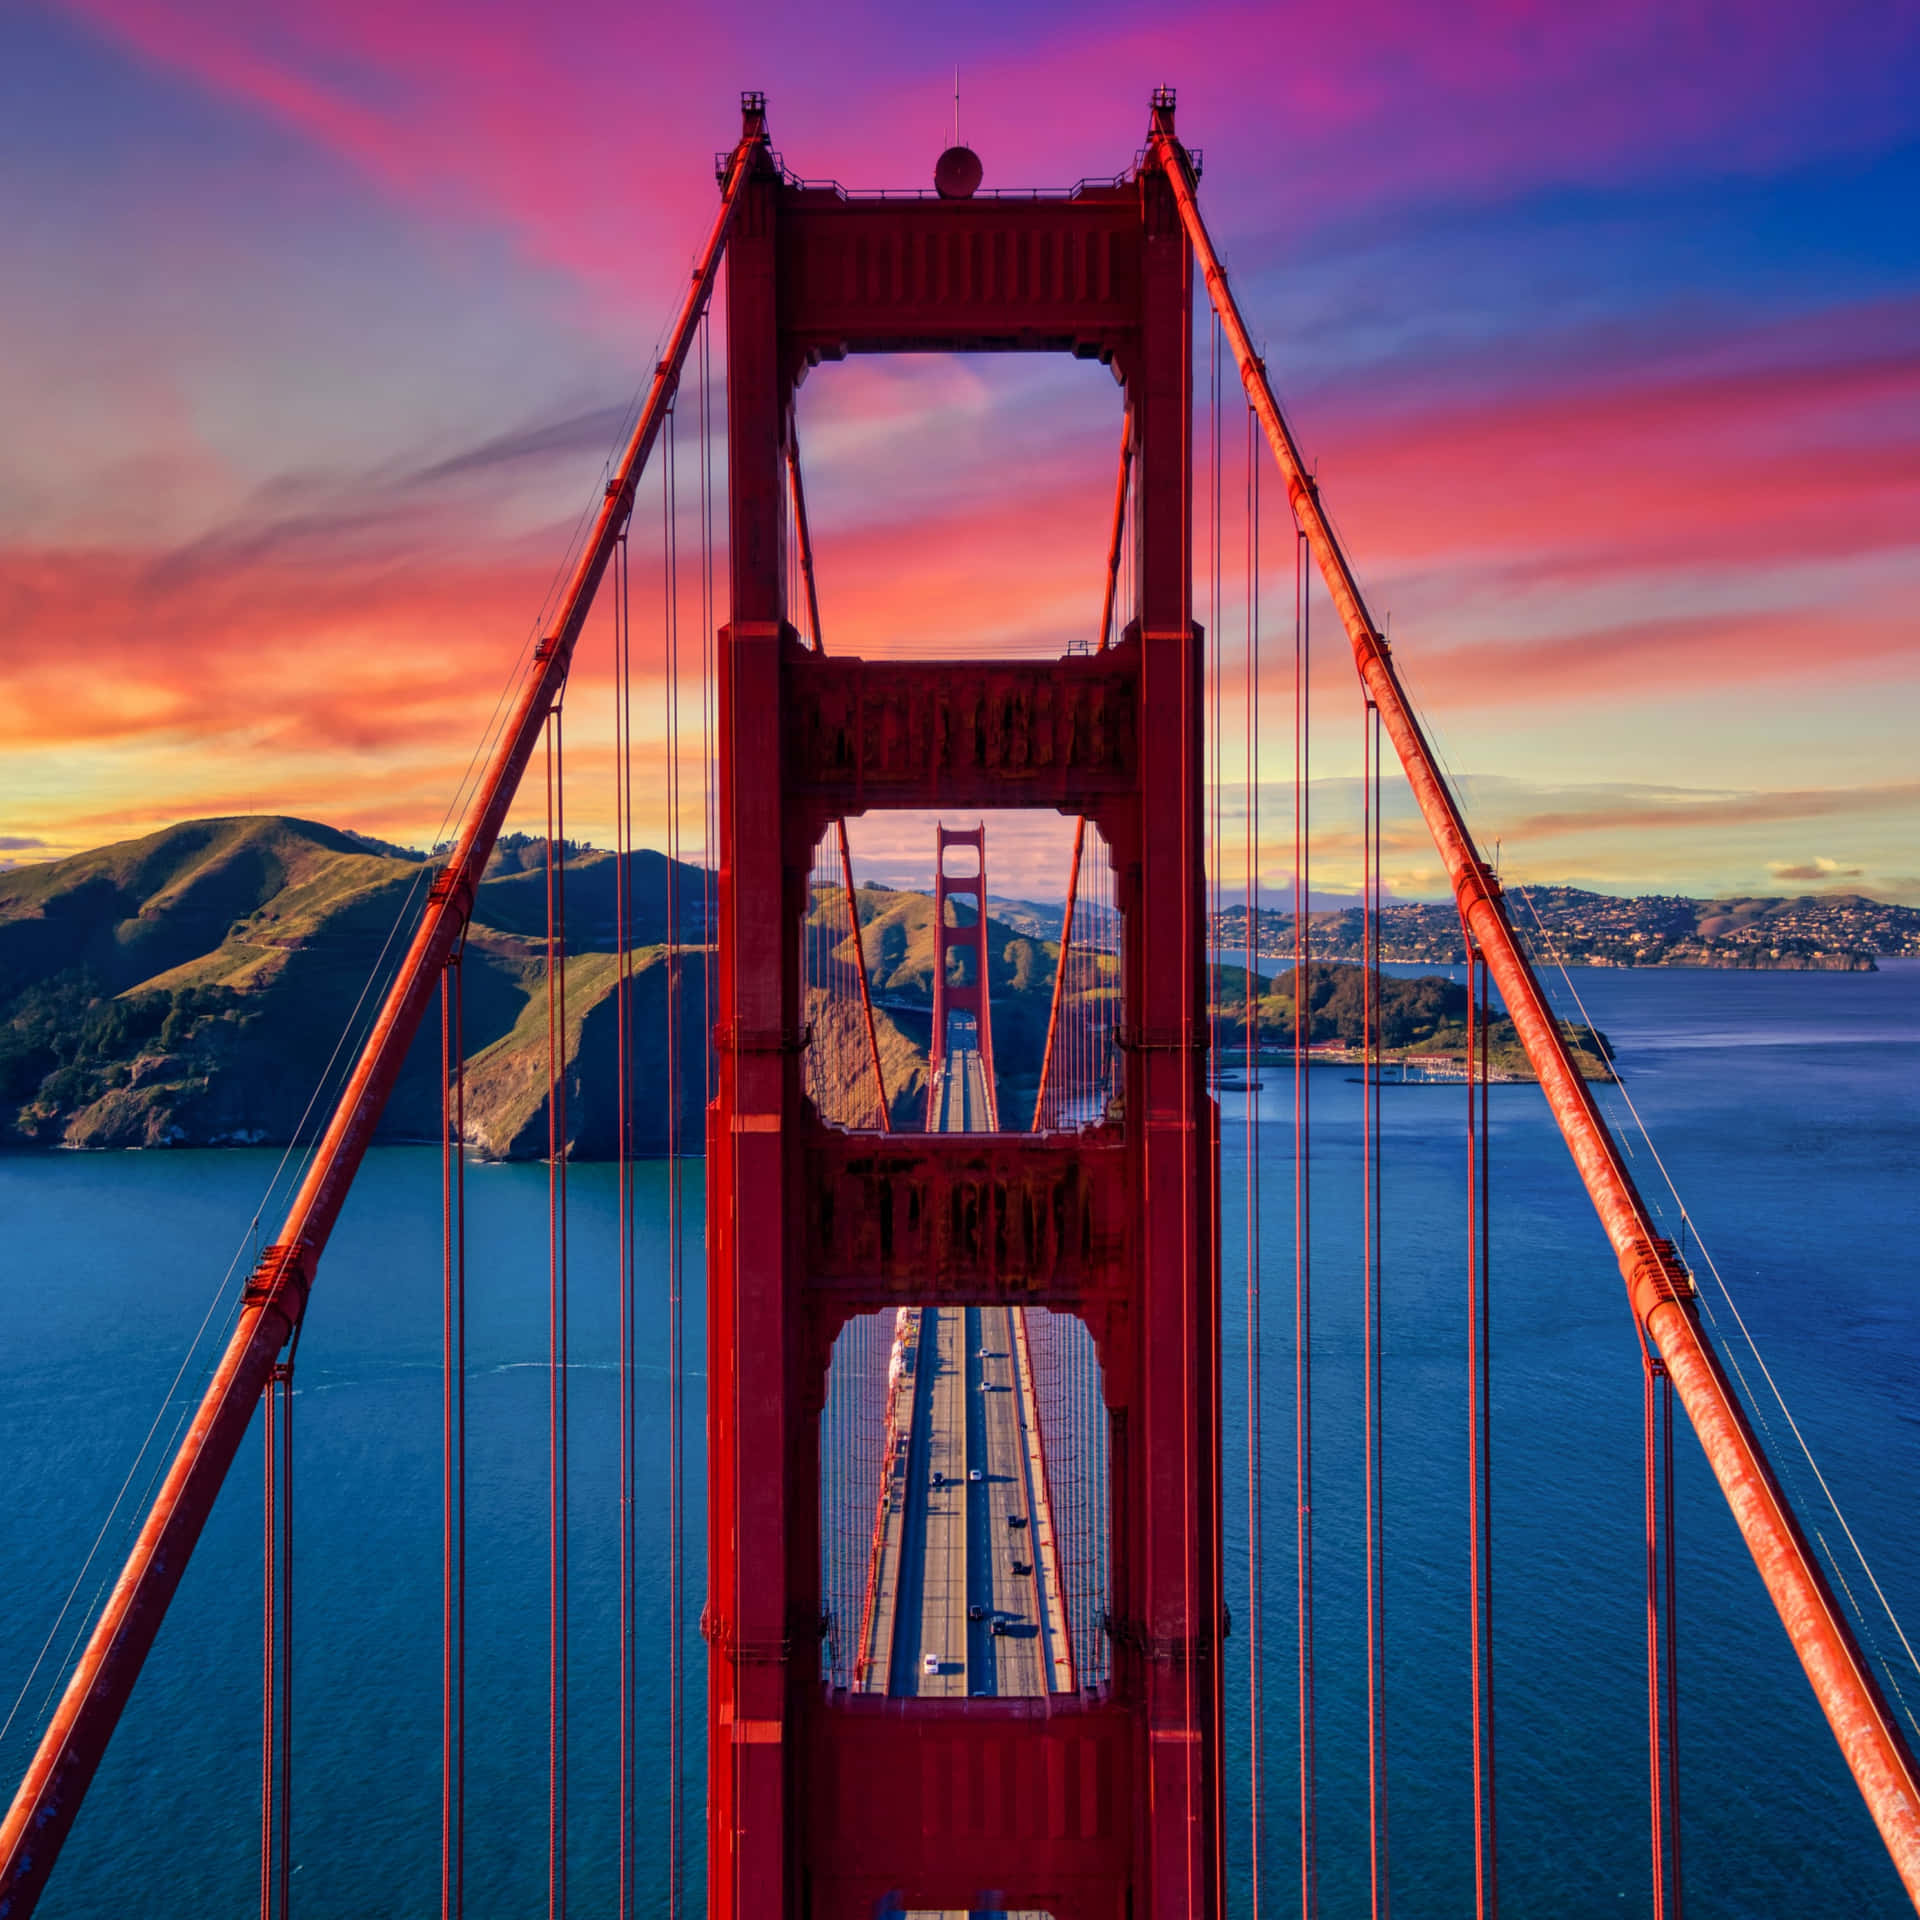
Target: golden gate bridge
(966,1621)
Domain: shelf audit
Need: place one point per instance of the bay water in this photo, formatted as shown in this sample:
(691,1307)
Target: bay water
(1786,1108)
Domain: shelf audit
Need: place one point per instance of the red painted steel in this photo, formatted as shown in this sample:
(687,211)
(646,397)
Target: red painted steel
(819,1802)
(49,1797)
(962,734)
(1657,1286)
(967,1219)
(971,996)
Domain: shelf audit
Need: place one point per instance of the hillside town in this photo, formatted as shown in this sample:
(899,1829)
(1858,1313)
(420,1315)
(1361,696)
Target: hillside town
(1836,933)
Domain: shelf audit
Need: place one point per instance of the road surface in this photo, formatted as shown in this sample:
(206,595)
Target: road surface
(967,1586)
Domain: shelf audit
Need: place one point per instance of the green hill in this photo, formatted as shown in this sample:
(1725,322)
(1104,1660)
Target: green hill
(192,988)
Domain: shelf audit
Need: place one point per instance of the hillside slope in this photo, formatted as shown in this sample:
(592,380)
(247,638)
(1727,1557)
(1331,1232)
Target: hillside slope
(193,989)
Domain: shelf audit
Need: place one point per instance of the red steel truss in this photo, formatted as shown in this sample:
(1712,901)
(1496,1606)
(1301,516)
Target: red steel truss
(824,1804)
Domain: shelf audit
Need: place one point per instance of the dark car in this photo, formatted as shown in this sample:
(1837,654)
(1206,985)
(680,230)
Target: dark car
(1021,1569)
(1016,1519)
(976,1611)
(999,1627)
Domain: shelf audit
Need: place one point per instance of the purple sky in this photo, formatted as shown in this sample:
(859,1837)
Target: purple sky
(1603,330)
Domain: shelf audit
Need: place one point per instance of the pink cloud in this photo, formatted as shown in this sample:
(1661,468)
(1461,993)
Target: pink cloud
(588,131)
(1642,467)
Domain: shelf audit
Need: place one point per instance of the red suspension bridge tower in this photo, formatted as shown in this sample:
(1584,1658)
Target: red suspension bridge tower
(820,1804)
(1103,1803)
(968,940)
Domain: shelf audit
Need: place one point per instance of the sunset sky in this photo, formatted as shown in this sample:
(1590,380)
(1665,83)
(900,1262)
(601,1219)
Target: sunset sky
(318,321)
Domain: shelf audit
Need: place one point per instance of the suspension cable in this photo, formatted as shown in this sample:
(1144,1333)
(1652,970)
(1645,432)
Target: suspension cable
(276,1653)
(1256,1503)
(453,1439)
(1670,1647)
(270,1633)
(1486,1878)
(676,1226)
(804,541)
(1302,1233)
(623,1184)
(1372,1226)
(557,1143)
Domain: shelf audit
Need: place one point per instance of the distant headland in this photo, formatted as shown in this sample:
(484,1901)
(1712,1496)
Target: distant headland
(1809,932)
(191,987)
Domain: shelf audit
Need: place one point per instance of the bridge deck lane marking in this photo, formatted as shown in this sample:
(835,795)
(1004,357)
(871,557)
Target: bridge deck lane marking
(945,1600)
(949,1548)
(1019,1666)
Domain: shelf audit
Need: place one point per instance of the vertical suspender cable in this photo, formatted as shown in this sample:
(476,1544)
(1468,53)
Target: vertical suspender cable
(1671,1625)
(1656,1786)
(676,1413)
(1211,1294)
(1256,1516)
(623,1181)
(1302,1233)
(453,1441)
(708,831)
(803,537)
(41,1814)
(1663,1704)
(283,1864)
(276,1661)
(556,1322)
(1486,1877)
(269,1637)
(1371,898)
(1659,1290)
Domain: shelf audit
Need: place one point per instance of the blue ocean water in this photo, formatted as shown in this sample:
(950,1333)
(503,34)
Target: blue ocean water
(1785,1106)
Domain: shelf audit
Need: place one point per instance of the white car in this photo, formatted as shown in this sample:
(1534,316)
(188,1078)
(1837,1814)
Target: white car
(931,1663)
(974,1473)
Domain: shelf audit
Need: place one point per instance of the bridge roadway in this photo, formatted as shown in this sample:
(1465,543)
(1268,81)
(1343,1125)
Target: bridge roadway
(966,1544)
